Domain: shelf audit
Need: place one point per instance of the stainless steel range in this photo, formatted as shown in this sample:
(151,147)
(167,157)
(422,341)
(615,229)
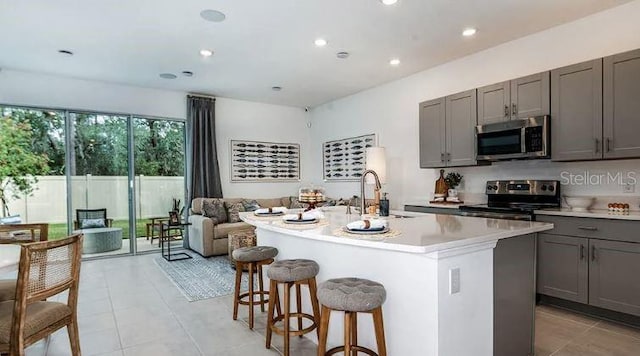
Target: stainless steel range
(515,199)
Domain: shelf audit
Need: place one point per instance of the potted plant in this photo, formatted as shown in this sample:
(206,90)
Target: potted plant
(453,180)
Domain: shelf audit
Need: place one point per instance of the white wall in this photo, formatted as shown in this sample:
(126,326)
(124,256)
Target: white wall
(391,110)
(243,120)
(235,119)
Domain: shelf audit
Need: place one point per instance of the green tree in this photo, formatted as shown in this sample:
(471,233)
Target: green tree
(19,164)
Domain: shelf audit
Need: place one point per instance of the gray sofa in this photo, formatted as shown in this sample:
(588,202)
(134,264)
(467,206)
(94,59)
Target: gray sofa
(209,239)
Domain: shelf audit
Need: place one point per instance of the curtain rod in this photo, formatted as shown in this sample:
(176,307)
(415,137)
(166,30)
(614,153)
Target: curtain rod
(201,96)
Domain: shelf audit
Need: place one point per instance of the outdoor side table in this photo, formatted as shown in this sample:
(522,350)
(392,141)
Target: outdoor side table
(165,237)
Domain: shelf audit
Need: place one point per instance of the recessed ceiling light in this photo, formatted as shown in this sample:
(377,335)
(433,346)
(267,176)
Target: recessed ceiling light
(187,73)
(389,2)
(206,52)
(342,55)
(65,52)
(168,76)
(276,88)
(469,32)
(212,15)
(394,62)
(320,42)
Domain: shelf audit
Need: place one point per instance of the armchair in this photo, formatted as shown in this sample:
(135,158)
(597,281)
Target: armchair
(91,214)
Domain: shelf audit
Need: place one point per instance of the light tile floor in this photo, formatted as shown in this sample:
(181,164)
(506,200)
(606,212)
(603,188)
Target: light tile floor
(128,307)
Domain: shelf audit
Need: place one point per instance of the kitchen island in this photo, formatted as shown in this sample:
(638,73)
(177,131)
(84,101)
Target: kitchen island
(428,311)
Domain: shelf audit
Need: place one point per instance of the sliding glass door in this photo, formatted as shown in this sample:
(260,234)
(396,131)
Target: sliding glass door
(159,153)
(114,177)
(32,180)
(98,182)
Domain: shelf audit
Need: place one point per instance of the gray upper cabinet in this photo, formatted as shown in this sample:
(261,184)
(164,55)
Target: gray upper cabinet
(613,275)
(447,131)
(622,105)
(461,120)
(516,99)
(494,103)
(530,96)
(563,267)
(576,112)
(432,133)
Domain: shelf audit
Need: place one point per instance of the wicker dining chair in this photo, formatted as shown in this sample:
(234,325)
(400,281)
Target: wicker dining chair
(46,269)
(19,234)
(23,233)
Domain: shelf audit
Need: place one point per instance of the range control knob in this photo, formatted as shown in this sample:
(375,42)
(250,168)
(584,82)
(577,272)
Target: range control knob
(543,188)
(551,188)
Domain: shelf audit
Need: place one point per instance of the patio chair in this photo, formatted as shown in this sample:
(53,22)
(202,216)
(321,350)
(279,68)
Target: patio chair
(46,269)
(23,233)
(90,218)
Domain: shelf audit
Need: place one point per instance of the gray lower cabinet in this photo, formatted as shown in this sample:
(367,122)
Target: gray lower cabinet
(591,261)
(622,105)
(447,131)
(614,268)
(530,96)
(576,112)
(563,267)
(432,134)
(515,99)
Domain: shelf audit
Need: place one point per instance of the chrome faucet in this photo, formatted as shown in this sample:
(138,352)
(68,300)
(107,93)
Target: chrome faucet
(377,189)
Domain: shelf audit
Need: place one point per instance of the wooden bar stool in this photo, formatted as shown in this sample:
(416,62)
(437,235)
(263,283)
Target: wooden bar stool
(352,296)
(254,258)
(292,273)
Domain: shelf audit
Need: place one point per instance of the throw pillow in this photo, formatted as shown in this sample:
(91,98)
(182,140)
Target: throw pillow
(250,205)
(295,203)
(214,209)
(92,223)
(234,211)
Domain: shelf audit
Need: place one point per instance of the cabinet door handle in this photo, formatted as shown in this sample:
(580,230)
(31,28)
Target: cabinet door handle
(442,157)
(593,252)
(588,228)
(514,109)
(581,252)
(597,145)
(506,110)
(448,157)
(608,144)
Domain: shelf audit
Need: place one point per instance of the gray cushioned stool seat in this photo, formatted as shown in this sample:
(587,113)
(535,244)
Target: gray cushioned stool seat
(293,270)
(351,294)
(254,253)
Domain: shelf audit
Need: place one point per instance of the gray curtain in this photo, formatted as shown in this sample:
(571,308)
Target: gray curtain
(204,171)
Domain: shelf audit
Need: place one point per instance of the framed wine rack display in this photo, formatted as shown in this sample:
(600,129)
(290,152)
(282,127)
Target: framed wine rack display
(344,160)
(256,161)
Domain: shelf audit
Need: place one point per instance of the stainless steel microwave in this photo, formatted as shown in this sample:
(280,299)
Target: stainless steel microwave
(515,139)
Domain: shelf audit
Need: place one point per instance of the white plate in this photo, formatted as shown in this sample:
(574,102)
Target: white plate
(365,232)
(300,222)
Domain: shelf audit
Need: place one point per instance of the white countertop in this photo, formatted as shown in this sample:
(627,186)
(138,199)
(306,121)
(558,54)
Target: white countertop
(594,213)
(424,233)
(9,258)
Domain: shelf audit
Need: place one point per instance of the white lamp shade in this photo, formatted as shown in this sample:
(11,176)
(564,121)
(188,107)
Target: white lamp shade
(377,162)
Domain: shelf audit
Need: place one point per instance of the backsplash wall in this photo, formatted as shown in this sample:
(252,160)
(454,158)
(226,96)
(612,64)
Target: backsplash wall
(602,179)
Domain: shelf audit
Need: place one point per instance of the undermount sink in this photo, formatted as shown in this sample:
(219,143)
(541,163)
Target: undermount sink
(403,216)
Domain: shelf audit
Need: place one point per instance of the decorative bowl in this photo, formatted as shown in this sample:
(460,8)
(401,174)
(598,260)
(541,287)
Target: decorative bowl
(577,203)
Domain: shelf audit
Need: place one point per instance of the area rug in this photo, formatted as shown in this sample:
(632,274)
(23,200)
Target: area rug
(201,278)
